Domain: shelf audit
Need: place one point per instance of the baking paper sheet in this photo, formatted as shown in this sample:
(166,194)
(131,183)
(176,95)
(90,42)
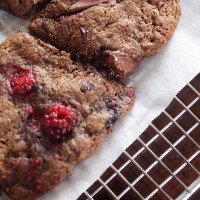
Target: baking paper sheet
(157,81)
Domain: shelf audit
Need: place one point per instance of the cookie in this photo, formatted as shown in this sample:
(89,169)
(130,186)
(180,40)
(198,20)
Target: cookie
(115,34)
(53,115)
(21,8)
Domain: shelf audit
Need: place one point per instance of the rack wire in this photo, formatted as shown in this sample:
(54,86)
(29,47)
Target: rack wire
(189,163)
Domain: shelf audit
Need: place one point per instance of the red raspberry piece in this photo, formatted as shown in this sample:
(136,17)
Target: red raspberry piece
(40,188)
(22,82)
(130,93)
(29,180)
(61,18)
(35,163)
(59,121)
(30,110)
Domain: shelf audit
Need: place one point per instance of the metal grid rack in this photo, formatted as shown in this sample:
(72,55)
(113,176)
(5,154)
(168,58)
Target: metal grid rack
(164,162)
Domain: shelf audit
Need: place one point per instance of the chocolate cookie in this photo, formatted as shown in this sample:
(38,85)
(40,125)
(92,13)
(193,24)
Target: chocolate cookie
(115,34)
(21,8)
(53,115)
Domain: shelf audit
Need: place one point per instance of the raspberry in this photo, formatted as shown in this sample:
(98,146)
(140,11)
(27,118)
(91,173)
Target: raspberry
(22,82)
(40,188)
(35,163)
(59,121)
(130,93)
(30,110)
(30,179)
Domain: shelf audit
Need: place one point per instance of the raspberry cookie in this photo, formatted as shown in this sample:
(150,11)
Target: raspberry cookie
(21,8)
(53,115)
(115,34)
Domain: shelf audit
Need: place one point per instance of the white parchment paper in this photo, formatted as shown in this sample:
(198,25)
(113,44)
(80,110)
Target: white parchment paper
(157,81)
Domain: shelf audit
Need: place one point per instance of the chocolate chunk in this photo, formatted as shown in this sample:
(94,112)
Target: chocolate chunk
(83,4)
(109,123)
(121,64)
(112,104)
(88,88)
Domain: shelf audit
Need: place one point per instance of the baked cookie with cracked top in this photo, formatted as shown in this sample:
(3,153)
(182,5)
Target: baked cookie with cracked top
(53,115)
(21,8)
(114,34)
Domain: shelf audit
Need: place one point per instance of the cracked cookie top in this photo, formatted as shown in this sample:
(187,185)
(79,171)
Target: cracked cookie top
(21,8)
(115,34)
